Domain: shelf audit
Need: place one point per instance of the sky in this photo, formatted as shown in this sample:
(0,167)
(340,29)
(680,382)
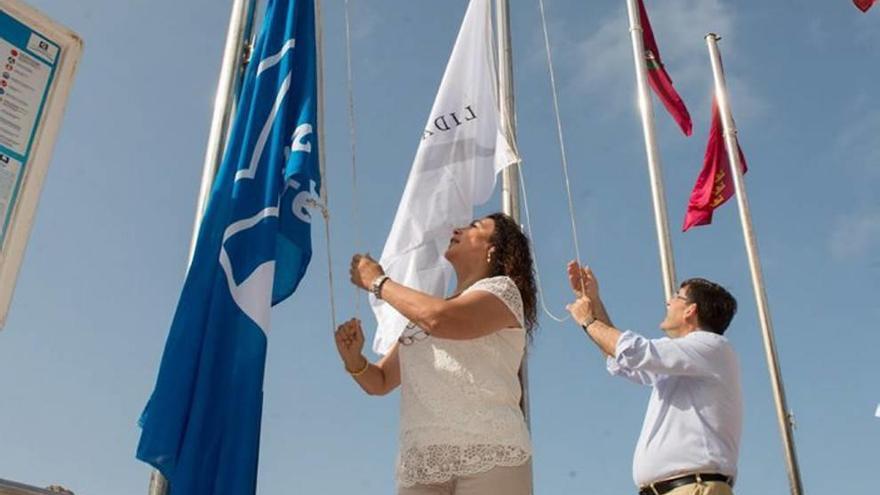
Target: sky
(109,245)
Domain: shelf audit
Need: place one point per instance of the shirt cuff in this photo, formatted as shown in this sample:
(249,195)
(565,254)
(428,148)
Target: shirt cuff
(612,366)
(615,364)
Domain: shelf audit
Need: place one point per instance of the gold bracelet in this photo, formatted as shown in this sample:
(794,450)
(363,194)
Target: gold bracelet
(361,371)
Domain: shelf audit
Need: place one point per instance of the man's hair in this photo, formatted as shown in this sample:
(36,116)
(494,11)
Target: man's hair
(715,306)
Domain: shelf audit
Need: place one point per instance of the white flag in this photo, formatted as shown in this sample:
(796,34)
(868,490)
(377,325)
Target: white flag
(461,151)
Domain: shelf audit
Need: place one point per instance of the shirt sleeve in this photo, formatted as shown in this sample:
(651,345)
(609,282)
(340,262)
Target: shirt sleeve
(636,376)
(636,356)
(505,289)
(640,377)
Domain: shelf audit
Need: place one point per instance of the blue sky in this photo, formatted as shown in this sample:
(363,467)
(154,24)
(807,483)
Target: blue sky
(107,253)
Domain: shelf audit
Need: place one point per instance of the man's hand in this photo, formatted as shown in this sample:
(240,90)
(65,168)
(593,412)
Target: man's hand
(364,270)
(581,310)
(582,281)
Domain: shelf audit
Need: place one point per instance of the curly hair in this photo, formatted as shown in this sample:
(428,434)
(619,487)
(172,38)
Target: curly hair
(513,258)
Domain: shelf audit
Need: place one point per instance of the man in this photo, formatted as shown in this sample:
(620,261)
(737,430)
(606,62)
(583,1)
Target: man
(690,436)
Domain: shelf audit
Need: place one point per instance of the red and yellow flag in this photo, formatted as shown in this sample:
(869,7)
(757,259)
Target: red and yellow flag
(864,5)
(659,79)
(715,184)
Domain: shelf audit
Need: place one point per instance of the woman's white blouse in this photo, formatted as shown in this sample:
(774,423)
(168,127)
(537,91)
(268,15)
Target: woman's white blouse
(459,407)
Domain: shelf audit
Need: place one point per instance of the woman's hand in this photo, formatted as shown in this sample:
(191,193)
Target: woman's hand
(350,344)
(364,270)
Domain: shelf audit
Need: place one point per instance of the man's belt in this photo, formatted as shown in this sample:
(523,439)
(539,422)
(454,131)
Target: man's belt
(665,486)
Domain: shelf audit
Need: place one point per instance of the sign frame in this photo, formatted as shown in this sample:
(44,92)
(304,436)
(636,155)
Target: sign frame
(8,487)
(64,52)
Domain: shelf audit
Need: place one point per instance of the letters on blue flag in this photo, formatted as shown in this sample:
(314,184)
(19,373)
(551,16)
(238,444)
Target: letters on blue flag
(201,426)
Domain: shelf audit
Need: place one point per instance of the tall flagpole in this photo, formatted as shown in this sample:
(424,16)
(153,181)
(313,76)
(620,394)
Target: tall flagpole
(510,174)
(783,414)
(507,107)
(319,83)
(235,53)
(658,195)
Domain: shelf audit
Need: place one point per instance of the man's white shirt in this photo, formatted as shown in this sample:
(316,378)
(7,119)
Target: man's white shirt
(694,418)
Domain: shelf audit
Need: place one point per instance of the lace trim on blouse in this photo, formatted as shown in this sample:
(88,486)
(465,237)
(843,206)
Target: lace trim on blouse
(440,463)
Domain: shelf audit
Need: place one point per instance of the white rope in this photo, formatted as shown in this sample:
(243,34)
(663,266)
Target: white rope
(352,137)
(325,212)
(325,201)
(522,184)
(562,153)
(564,160)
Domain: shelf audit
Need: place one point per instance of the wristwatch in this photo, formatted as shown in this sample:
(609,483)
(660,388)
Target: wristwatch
(587,323)
(376,286)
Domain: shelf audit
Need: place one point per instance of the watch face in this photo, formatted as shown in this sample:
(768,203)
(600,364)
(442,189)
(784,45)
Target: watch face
(376,287)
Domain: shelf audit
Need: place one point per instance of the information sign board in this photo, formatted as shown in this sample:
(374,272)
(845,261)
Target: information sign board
(38,60)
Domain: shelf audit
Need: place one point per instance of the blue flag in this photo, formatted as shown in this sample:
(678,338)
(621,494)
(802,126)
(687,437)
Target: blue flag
(201,426)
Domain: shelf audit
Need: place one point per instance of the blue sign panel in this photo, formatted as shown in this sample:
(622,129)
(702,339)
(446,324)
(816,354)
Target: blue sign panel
(28,61)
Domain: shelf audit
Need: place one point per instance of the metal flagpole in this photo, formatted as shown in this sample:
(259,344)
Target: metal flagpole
(235,54)
(658,195)
(507,107)
(783,415)
(319,67)
(510,174)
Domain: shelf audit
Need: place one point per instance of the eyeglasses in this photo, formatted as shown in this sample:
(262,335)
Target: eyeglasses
(412,334)
(683,298)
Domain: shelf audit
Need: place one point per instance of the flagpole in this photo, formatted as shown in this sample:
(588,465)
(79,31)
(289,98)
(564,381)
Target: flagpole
(510,174)
(661,222)
(319,67)
(237,49)
(783,414)
(507,107)
(235,53)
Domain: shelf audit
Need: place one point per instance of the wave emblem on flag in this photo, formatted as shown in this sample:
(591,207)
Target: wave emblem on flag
(461,151)
(714,185)
(659,79)
(201,425)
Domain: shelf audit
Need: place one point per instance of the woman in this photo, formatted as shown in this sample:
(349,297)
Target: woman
(461,427)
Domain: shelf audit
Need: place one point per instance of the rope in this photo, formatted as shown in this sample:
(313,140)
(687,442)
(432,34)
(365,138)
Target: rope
(352,136)
(325,201)
(564,160)
(531,241)
(325,212)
